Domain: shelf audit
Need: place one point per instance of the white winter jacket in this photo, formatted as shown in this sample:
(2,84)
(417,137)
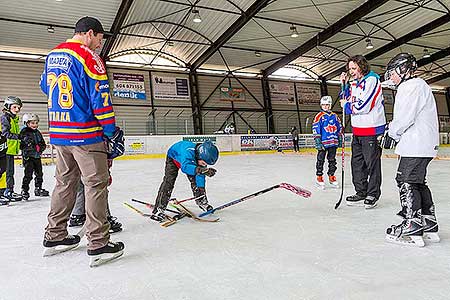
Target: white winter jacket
(366,106)
(415,123)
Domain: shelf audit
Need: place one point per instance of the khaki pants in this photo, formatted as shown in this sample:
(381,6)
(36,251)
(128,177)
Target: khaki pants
(90,163)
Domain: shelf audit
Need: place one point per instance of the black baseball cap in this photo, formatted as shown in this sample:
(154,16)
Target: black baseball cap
(87,23)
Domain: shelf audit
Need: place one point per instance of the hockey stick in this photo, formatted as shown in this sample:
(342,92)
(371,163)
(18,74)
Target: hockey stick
(184,209)
(343,152)
(151,206)
(187,199)
(167,223)
(295,189)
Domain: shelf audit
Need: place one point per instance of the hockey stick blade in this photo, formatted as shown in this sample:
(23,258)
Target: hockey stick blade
(295,189)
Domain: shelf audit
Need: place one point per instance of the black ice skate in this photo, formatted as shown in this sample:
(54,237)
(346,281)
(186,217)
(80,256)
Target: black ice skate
(106,253)
(159,216)
(370,202)
(25,195)
(355,200)
(40,192)
(430,229)
(77,220)
(4,201)
(55,247)
(114,225)
(13,197)
(409,232)
(205,207)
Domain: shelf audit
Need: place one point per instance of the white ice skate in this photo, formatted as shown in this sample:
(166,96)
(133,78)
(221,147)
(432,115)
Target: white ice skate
(333,181)
(430,229)
(320,183)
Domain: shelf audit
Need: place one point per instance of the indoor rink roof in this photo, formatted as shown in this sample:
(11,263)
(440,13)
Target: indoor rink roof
(252,37)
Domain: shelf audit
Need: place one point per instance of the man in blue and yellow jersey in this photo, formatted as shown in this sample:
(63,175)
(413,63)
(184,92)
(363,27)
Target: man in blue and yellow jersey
(81,117)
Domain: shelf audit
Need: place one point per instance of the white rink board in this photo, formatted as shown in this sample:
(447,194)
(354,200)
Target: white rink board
(274,246)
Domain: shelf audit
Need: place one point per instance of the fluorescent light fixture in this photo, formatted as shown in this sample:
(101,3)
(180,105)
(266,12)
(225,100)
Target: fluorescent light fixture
(19,55)
(245,74)
(170,43)
(51,29)
(369,44)
(197,18)
(219,72)
(258,53)
(294,32)
(426,53)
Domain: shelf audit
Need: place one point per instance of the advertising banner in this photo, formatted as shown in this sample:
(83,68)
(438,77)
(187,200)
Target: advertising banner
(131,86)
(282,93)
(168,87)
(232,94)
(265,142)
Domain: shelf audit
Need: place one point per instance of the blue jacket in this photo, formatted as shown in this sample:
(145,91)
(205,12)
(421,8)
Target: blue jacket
(327,127)
(183,155)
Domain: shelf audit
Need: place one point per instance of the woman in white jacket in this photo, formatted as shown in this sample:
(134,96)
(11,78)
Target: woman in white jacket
(415,128)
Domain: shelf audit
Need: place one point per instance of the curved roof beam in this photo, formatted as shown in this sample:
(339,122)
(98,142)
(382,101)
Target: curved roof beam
(398,42)
(230,32)
(327,33)
(149,52)
(122,12)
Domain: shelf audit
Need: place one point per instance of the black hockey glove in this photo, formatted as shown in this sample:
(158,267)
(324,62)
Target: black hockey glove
(210,172)
(115,144)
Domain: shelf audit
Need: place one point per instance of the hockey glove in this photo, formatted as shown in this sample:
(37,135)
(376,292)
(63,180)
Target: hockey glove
(319,145)
(386,142)
(115,144)
(210,172)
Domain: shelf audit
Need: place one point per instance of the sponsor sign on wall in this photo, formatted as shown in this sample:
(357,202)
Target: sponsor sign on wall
(199,139)
(308,94)
(232,94)
(134,145)
(265,142)
(170,87)
(282,93)
(131,86)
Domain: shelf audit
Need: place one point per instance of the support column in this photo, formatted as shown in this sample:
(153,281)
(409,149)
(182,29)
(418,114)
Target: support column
(195,103)
(323,86)
(268,105)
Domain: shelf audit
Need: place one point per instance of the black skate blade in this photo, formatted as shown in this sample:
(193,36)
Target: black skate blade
(98,260)
(50,251)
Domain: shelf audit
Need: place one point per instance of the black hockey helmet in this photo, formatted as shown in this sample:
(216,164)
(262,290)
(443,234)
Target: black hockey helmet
(404,64)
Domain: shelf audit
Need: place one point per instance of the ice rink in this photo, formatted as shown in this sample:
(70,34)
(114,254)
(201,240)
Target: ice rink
(275,246)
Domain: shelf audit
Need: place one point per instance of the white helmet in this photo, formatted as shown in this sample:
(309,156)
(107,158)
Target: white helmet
(29,117)
(326,100)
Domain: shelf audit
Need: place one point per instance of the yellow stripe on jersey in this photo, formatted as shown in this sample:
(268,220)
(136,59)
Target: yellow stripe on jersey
(83,62)
(74,130)
(105,116)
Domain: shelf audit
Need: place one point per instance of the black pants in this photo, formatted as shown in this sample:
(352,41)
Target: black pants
(330,153)
(32,165)
(296,148)
(414,192)
(166,188)
(366,166)
(9,171)
(2,165)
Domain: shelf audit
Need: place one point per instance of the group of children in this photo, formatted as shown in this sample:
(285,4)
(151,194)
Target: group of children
(29,140)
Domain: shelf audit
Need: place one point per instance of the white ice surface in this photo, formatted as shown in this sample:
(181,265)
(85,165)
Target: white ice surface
(275,246)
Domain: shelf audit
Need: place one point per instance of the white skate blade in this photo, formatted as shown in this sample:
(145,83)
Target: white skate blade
(367,206)
(97,260)
(335,186)
(432,237)
(357,203)
(415,241)
(58,249)
(320,186)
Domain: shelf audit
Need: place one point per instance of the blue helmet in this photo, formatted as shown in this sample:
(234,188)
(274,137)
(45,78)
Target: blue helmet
(208,152)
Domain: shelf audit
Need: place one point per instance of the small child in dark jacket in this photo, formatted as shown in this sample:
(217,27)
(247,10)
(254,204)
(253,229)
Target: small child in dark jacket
(32,145)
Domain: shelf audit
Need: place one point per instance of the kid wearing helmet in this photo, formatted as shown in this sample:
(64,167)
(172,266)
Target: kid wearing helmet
(11,130)
(415,128)
(326,129)
(193,160)
(32,145)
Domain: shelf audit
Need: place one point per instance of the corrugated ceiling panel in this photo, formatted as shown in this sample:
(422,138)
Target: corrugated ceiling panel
(321,14)
(60,13)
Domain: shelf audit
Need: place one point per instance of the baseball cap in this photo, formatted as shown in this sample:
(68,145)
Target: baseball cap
(86,23)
